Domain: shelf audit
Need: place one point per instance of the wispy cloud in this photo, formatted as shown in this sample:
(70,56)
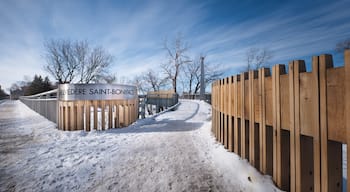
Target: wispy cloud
(134,32)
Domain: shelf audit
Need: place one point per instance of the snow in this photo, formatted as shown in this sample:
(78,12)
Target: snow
(171,151)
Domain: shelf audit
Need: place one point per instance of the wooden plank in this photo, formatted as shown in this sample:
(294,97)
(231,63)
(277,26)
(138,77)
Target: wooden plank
(268,101)
(80,117)
(254,132)
(230,106)
(278,70)
(291,67)
(285,111)
(307,102)
(335,104)
(252,158)
(225,104)
(217,110)
(257,98)
(117,119)
(235,113)
(347,110)
(262,76)
(95,104)
(60,116)
(243,137)
(298,68)
(103,116)
(239,95)
(110,114)
(325,61)
(87,116)
(221,112)
(274,126)
(315,122)
(247,97)
(66,116)
(73,116)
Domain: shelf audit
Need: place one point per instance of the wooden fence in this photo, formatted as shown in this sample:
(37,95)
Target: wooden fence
(288,125)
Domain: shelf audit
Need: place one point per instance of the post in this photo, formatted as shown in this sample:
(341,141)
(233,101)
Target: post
(202,87)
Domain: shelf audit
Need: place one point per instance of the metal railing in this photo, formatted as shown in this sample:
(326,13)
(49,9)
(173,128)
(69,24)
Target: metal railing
(43,103)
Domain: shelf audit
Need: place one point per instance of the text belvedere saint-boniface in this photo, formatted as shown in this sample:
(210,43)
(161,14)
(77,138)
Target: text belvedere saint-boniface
(83,91)
(68,92)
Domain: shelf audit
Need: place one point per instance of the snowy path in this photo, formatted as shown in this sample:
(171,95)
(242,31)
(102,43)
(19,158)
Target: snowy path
(171,152)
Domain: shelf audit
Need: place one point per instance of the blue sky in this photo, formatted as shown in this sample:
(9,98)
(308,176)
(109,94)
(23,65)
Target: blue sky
(134,31)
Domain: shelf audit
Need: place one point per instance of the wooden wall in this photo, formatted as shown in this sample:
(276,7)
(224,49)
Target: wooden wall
(288,125)
(98,115)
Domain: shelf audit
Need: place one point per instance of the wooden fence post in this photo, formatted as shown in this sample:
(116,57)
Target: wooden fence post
(230,114)
(235,112)
(325,61)
(263,72)
(347,111)
(277,71)
(243,128)
(292,127)
(254,137)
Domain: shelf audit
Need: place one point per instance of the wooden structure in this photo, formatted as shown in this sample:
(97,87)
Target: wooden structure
(95,114)
(288,125)
(96,106)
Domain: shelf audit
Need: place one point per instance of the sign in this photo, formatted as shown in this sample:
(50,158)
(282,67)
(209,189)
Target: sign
(72,92)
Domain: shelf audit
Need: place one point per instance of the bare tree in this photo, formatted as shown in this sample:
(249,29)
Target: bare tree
(68,61)
(192,70)
(257,58)
(140,84)
(176,52)
(341,46)
(153,80)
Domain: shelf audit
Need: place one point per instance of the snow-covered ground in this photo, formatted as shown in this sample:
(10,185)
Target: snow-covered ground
(173,151)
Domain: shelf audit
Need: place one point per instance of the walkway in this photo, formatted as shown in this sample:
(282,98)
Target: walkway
(171,152)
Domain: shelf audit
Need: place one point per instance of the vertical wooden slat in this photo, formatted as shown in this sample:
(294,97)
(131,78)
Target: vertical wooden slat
(116,117)
(95,104)
(60,117)
(230,106)
(66,117)
(80,125)
(103,116)
(347,110)
(316,122)
(224,142)
(213,92)
(87,116)
(222,111)
(227,112)
(277,71)
(72,116)
(235,112)
(298,67)
(251,119)
(243,146)
(263,73)
(274,125)
(292,127)
(325,62)
(217,110)
(110,114)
